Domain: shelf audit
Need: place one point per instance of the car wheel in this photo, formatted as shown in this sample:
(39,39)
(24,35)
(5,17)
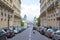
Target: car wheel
(6,38)
(53,39)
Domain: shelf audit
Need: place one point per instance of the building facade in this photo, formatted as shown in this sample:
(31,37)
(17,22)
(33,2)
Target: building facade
(7,13)
(50,13)
(17,5)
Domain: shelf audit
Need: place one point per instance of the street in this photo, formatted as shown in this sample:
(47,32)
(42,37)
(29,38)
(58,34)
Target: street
(29,35)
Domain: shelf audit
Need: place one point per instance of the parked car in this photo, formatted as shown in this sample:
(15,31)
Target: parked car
(42,30)
(9,33)
(38,29)
(19,29)
(56,35)
(16,30)
(2,35)
(34,28)
(49,33)
(23,28)
(45,29)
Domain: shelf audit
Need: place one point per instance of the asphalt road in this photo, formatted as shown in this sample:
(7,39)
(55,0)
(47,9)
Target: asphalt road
(29,35)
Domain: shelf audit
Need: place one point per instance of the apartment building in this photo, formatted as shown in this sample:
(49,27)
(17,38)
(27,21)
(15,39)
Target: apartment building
(7,13)
(50,13)
(17,17)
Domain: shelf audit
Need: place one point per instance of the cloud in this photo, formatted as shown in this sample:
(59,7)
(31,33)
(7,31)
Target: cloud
(31,10)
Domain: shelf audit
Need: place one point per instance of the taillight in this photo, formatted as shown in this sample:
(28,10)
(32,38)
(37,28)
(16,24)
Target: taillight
(52,33)
(42,30)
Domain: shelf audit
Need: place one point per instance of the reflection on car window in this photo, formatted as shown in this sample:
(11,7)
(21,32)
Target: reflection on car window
(8,30)
(58,33)
(50,30)
(1,32)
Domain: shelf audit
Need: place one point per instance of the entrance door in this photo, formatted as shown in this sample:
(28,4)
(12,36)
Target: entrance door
(58,18)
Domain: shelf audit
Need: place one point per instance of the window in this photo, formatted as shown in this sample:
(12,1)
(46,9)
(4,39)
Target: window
(2,13)
(51,19)
(5,14)
(5,19)
(54,19)
(1,19)
(51,15)
(54,14)
(57,14)
(49,1)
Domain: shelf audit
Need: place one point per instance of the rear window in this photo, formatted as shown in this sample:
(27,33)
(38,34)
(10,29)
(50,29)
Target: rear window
(58,32)
(50,30)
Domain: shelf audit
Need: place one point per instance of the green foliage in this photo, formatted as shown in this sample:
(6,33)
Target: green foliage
(22,23)
(38,23)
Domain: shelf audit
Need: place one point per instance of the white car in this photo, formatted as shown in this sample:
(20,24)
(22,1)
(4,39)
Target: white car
(16,30)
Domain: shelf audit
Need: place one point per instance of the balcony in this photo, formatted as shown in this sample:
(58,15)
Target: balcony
(51,6)
(6,4)
(54,4)
(17,16)
(57,2)
(16,8)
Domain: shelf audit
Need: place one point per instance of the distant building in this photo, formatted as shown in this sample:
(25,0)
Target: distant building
(35,18)
(25,17)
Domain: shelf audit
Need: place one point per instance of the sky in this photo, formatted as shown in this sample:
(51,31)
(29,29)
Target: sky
(31,8)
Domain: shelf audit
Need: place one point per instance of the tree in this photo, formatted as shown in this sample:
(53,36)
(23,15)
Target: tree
(22,23)
(38,21)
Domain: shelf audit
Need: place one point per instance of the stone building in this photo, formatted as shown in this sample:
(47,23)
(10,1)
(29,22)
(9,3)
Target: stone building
(50,13)
(8,12)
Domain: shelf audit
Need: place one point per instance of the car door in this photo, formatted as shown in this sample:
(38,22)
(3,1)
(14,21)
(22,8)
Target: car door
(57,35)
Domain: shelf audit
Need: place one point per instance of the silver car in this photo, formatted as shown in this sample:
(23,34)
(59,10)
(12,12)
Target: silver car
(56,35)
(49,33)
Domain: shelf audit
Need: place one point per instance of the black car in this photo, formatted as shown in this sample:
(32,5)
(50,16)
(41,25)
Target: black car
(34,28)
(2,35)
(9,33)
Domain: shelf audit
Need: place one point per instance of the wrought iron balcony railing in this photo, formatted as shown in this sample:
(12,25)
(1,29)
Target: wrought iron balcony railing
(6,4)
(51,6)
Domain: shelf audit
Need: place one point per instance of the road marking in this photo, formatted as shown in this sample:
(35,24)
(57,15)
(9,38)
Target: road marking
(30,34)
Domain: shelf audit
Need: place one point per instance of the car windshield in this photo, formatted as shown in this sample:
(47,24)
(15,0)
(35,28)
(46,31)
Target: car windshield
(1,32)
(16,28)
(8,30)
